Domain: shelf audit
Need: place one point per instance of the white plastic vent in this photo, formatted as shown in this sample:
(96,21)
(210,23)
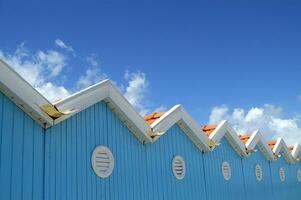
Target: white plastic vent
(102,161)
(178,167)
(258,172)
(281,174)
(226,170)
(299,175)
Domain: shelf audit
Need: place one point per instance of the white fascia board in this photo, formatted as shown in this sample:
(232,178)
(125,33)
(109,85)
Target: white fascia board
(225,130)
(23,94)
(281,148)
(257,139)
(296,151)
(178,115)
(167,120)
(106,91)
(84,98)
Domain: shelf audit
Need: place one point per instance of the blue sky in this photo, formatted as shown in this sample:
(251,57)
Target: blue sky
(235,60)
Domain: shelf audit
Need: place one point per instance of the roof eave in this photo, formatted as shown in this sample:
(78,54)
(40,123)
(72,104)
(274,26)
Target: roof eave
(23,94)
(224,129)
(178,115)
(106,91)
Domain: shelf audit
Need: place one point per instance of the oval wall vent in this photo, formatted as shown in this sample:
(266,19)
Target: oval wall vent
(178,167)
(258,172)
(102,161)
(281,174)
(299,175)
(226,170)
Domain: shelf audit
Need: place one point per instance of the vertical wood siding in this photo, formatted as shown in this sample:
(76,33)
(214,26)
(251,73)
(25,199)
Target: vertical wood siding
(282,190)
(259,190)
(56,163)
(159,162)
(21,154)
(217,187)
(140,172)
(296,185)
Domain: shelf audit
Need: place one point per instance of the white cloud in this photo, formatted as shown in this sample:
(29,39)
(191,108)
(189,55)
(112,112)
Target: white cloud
(53,92)
(268,119)
(44,70)
(92,75)
(160,109)
(53,61)
(39,69)
(62,45)
(136,91)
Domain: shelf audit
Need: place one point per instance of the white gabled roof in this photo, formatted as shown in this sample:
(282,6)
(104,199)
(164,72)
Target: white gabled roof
(256,139)
(48,114)
(32,102)
(281,148)
(106,91)
(225,130)
(178,115)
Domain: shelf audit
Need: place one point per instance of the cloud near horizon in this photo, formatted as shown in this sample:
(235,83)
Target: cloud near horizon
(267,118)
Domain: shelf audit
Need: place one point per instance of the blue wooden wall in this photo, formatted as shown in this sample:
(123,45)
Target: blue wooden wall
(217,187)
(141,171)
(295,188)
(259,190)
(56,163)
(159,171)
(21,154)
(281,189)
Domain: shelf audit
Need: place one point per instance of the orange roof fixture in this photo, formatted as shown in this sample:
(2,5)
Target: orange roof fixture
(208,129)
(244,138)
(272,143)
(291,148)
(153,117)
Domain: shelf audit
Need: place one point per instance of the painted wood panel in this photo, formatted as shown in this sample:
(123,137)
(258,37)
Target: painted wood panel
(21,154)
(217,187)
(61,169)
(260,190)
(160,155)
(294,185)
(141,171)
(282,190)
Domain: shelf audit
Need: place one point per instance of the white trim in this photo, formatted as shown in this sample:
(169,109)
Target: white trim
(296,153)
(178,115)
(256,139)
(30,101)
(281,148)
(106,91)
(225,130)
(23,94)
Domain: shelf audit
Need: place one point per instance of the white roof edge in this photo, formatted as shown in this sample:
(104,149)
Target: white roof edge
(281,148)
(30,100)
(224,129)
(23,94)
(106,91)
(296,151)
(178,115)
(257,139)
